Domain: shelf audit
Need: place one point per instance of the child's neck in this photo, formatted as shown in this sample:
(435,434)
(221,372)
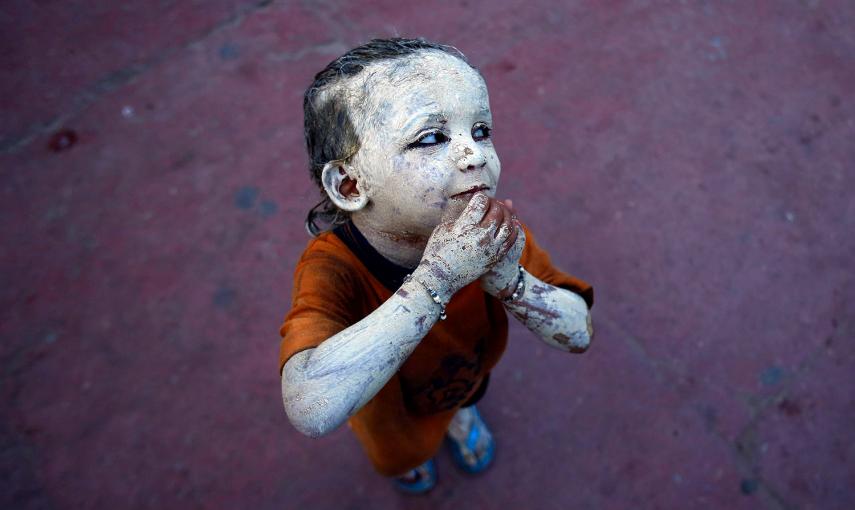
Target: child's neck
(401,249)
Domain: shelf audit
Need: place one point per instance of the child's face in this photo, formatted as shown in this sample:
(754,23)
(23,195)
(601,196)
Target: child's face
(425,142)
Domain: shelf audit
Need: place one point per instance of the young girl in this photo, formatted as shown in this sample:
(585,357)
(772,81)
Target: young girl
(398,312)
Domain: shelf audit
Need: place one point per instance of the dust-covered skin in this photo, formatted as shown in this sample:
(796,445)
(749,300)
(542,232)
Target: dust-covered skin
(419,188)
(424,132)
(324,386)
(559,317)
(459,429)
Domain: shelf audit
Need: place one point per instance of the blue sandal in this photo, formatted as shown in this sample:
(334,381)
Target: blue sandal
(471,442)
(424,481)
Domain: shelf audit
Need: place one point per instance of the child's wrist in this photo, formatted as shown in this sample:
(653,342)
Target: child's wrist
(501,282)
(515,289)
(418,286)
(428,279)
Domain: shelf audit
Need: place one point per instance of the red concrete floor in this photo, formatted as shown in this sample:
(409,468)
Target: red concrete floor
(694,160)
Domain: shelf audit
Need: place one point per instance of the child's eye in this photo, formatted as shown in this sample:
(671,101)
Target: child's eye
(432,138)
(481,132)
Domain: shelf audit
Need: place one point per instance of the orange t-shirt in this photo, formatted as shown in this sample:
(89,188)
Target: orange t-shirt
(404,424)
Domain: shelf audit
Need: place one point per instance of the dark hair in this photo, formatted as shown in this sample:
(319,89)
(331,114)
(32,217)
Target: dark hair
(329,130)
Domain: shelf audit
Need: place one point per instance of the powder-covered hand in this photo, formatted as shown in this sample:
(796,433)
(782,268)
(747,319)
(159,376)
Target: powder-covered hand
(461,250)
(501,280)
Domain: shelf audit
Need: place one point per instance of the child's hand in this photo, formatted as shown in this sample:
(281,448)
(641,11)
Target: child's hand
(461,250)
(501,280)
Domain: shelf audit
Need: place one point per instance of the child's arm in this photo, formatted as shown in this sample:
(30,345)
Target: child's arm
(559,317)
(322,387)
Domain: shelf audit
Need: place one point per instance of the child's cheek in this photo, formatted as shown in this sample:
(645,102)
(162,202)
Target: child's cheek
(433,199)
(435,173)
(421,170)
(494,164)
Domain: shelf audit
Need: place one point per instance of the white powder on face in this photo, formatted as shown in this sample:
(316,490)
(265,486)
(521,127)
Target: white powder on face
(393,103)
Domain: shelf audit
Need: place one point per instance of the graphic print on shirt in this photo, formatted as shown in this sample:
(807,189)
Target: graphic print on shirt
(449,385)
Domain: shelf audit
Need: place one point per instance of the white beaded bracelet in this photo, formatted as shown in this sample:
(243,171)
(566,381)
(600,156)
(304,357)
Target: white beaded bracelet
(433,295)
(519,288)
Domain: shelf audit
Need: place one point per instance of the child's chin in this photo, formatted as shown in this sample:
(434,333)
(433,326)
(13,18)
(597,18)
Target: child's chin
(454,208)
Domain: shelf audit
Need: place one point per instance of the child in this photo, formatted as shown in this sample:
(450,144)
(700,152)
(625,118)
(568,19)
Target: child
(398,313)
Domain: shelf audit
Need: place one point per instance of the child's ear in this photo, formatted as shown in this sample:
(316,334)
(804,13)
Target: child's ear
(333,177)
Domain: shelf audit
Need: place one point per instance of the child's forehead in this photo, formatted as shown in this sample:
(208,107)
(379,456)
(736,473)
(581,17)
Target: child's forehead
(428,81)
(426,64)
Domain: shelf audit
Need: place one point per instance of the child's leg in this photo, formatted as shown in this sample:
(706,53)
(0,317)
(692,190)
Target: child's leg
(472,442)
(472,439)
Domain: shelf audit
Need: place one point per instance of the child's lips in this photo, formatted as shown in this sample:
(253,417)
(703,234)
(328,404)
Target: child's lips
(471,191)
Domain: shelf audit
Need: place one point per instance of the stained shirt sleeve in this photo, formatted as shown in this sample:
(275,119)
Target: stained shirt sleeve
(537,262)
(321,303)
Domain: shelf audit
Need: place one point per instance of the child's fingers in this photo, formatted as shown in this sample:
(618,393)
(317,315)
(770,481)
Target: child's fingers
(505,221)
(493,214)
(511,239)
(508,228)
(476,209)
(514,229)
(510,205)
(505,234)
(519,239)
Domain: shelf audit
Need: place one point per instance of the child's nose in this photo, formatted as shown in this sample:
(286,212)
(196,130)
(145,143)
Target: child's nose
(467,156)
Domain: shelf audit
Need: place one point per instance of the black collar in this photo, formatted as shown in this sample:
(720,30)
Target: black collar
(390,274)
